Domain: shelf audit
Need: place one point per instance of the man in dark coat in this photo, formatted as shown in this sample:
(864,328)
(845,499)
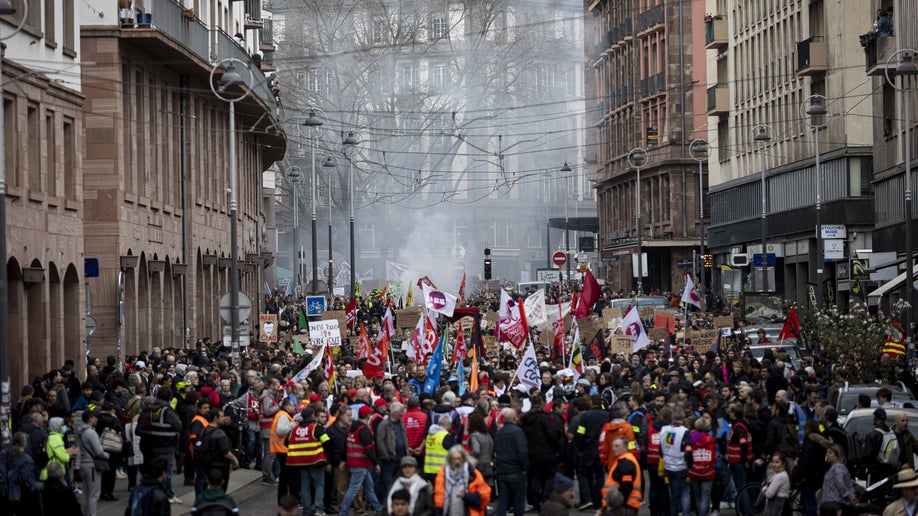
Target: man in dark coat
(56,497)
(511,458)
(544,440)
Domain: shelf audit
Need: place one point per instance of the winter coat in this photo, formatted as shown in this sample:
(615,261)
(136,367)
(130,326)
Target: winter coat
(543,438)
(90,446)
(17,474)
(386,439)
(482,447)
(511,450)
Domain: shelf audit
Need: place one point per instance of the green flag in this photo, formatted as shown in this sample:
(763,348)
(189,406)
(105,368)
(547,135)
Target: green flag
(303,325)
(298,347)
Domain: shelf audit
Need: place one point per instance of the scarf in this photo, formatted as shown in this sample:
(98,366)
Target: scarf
(413,484)
(453,480)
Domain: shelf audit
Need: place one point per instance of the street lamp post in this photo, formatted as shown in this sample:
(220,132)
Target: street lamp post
(818,107)
(637,158)
(330,164)
(566,169)
(295,177)
(699,150)
(314,122)
(906,70)
(5,373)
(232,79)
(760,135)
(350,142)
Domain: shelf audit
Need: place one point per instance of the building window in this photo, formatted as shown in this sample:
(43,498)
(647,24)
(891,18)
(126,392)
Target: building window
(49,24)
(439,77)
(499,27)
(33,134)
(439,26)
(570,81)
(50,154)
(379,31)
(367,236)
(69,29)
(70,172)
(10,131)
(410,77)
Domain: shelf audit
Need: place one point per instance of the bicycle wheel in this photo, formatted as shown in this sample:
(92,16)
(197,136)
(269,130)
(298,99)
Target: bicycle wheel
(755,503)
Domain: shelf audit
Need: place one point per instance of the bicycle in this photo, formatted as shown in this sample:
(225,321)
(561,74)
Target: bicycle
(757,501)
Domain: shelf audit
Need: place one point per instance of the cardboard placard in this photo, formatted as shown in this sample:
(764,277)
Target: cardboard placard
(325,333)
(491,345)
(588,329)
(723,322)
(267,326)
(337,315)
(407,317)
(621,344)
(657,334)
(647,312)
(491,318)
(702,339)
(613,317)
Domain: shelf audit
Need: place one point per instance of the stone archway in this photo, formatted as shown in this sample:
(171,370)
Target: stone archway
(73,318)
(16,314)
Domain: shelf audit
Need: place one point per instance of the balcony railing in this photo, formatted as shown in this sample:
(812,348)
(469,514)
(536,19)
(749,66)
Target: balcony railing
(877,51)
(227,48)
(718,100)
(252,11)
(652,85)
(267,36)
(171,21)
(812,57)
(650,18)
(715,34)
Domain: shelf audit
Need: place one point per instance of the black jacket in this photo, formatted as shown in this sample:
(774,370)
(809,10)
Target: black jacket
(587,432)
(511,450)
(58,499)
(159,500)
(336,447)
(543,437)
(774,432)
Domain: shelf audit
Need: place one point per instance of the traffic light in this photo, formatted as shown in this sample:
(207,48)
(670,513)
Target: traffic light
(487,268)
(708,261)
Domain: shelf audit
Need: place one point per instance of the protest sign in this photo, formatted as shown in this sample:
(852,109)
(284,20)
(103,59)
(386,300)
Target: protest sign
(407,317)
(267,324)
(622,344)
(646,312)
(657,334)
(337,315)
(723,322)
(325,333)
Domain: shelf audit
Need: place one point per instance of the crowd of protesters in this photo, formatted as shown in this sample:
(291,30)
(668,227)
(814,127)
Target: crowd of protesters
(668,428)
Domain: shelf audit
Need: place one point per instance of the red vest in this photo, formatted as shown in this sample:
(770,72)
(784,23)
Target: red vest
(303,448)
(466,434)
(356,451)
(267,399)
(415,426)
(704,457)
(735,446)
(254,408)
(652,453)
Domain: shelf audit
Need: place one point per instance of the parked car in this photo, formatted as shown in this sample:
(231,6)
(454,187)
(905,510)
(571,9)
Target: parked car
(846,400)
(625,303)
(860,422)
(793,353)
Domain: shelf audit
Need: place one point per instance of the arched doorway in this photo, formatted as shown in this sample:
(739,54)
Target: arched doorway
(16,317)
(73,317)
(55,309)
(37,324)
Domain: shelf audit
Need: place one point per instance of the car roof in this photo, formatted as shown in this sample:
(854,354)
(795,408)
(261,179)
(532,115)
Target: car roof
(890,412)
(871,387)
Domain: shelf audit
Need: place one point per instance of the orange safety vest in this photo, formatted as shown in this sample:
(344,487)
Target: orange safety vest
(192,436)
(275,440)
(609,432)
(634,497)
(304,448)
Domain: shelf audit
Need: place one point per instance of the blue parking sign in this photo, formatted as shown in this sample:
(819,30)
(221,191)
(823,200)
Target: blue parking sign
(315,305)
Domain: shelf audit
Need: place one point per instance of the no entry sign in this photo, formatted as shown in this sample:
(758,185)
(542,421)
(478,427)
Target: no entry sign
(559,258)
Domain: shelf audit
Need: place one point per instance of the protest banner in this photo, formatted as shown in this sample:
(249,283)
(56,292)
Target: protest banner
(703,339)
(267,324)
(325,333)
(622,344)
(723,322)
(337,315)
(407,317)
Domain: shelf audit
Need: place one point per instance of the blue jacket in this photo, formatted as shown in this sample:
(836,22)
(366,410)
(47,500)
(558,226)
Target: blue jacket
(511,450)
(17,473)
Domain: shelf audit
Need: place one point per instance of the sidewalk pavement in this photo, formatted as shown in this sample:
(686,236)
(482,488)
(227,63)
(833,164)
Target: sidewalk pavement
(238,479)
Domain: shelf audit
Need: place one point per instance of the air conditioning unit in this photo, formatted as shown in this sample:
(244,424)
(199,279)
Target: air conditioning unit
(739,260)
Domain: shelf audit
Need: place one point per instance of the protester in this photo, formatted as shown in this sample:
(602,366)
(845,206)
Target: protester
(17,476)
(777,488)
(459,484)
(420,496)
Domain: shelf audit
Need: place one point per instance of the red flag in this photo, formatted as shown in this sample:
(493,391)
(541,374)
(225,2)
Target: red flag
(376,359)
(791,329)
(460,351)
(426,281)
(588,296)
(430,337)
(557,351)
(415,352)
(574,300)
(511,324)
(350,313)
(363,343)
(462,290)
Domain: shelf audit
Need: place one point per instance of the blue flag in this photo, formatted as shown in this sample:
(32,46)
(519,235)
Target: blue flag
(460,373)
(267,290)
(434,368)
(289,291)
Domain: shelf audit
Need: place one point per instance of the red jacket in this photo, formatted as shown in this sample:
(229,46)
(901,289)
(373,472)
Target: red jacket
(415,421)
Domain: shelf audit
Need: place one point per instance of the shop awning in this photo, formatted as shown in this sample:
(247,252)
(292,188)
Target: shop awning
(892,284)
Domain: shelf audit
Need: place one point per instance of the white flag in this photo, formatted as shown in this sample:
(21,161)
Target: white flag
(528,370)
(535,308)
(688,294)
(632,326)
(439,301)
(552,311)
(311,366)
(511,325)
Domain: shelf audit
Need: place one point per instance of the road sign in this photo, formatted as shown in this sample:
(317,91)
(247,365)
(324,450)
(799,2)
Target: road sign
(548,275)
(559,258)
(582,258)
(757,260)
(315,305)
(243,310)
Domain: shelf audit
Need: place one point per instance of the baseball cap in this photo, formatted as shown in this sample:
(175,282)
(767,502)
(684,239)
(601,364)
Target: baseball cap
(364,411)
(140,364)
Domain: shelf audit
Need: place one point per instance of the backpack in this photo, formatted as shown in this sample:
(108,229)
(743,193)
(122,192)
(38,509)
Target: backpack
(39,451)
(139,503)
(889,447)
(857,448)
(788,444)
(220,507)
(204,448)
